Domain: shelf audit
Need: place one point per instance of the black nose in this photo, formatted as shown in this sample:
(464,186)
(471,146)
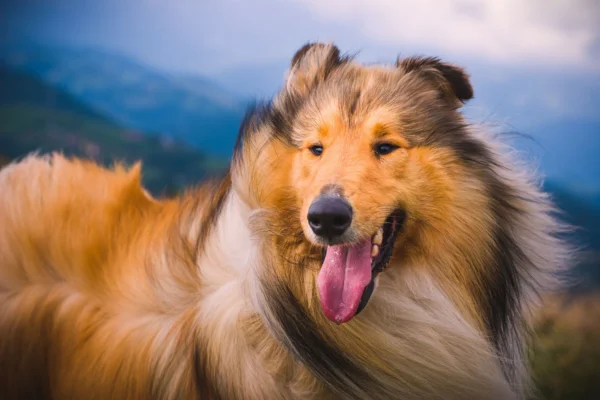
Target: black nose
(329,216)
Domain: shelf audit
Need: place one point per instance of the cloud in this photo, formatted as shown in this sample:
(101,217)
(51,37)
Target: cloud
(212,36)
(513,31)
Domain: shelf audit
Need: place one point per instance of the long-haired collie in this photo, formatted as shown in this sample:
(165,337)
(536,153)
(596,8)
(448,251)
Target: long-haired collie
(366,243)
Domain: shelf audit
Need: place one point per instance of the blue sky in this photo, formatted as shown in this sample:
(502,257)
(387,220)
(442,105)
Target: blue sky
(533,62)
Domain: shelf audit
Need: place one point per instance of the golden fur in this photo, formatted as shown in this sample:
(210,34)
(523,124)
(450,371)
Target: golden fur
(106,292)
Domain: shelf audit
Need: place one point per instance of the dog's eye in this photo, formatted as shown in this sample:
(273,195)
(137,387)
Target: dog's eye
(316,149)
(381,149)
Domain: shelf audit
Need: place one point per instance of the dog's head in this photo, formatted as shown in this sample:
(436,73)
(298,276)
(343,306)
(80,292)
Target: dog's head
(367,165)
(371,161)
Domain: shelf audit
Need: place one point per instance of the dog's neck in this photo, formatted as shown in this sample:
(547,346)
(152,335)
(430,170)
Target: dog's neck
(227,311)
(258,331)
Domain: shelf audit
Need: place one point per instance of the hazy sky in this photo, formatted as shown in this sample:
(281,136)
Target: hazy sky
(209,35)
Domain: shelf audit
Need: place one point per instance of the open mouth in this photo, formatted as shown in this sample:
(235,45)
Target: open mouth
(347,277)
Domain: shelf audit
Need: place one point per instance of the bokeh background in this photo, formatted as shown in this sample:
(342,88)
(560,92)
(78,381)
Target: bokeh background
(167,82)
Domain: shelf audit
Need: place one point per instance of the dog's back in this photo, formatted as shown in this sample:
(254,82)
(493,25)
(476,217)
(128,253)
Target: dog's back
(58,218)
(71,237)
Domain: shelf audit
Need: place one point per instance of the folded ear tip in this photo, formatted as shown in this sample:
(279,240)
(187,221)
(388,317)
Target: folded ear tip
(467,94)
(460,82)
(455,75)
(302,51)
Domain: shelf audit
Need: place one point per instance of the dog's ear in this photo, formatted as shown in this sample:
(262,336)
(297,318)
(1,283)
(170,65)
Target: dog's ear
(452,81)
(311,65)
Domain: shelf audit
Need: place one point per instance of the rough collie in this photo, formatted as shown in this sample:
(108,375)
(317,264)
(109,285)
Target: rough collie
(366,243)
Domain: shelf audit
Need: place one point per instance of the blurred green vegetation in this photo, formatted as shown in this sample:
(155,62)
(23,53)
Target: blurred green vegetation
(3,160)
(167,166)
(37,117)
(565,356)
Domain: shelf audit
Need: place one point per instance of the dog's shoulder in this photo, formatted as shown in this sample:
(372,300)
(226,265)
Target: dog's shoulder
(56,213)
(54,177)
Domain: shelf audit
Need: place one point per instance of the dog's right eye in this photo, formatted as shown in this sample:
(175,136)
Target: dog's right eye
(382,149)
(316,149)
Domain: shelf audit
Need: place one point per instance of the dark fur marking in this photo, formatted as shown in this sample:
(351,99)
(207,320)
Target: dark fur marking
(257,114)
(354,103)
(23,351)
(215,204)
(279,119)
(333,60)
(204,388)
(456,77)
(499,299)
(302,337)
(247,125)
(333,56)
(501,292)
(305,48)
(503,289)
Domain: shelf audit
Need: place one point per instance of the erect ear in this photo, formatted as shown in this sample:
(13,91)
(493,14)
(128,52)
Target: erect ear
(452,81)
(311,65)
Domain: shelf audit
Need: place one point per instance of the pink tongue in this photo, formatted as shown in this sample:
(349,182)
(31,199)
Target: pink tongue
(344,275)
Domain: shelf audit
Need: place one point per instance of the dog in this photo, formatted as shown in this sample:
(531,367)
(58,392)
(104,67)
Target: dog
(367,242)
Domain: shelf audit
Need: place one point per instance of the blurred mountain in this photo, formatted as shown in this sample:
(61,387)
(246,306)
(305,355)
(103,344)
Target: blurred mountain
(193,109)
(4,160)
(19,88)
(582,212)
(203,86)
(37,117)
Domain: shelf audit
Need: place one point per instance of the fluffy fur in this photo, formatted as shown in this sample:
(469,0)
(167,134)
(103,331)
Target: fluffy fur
(106,292)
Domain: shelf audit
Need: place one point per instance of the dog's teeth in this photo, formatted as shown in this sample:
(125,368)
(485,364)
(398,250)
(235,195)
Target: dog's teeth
(378,238)
(375,250)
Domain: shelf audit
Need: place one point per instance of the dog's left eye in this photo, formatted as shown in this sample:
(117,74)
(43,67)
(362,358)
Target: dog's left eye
(381,149)
(316,149)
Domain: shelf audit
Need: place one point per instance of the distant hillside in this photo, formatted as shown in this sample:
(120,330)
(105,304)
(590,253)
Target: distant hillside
(19,88)
(584,215)
(28,123)
(206,87)
(192,109)
(4,160)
